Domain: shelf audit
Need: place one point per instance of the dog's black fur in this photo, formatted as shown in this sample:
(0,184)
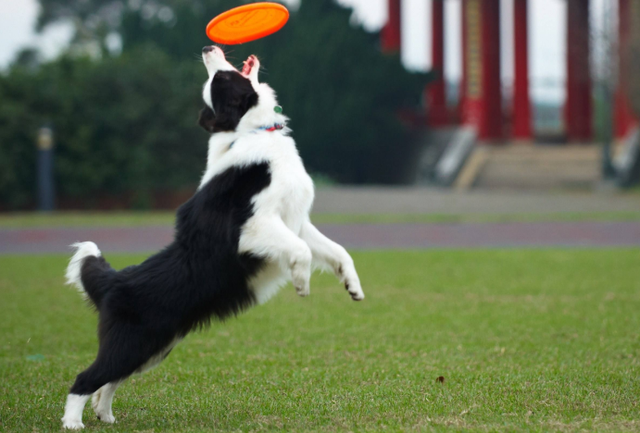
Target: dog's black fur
(232,96)
(143,309)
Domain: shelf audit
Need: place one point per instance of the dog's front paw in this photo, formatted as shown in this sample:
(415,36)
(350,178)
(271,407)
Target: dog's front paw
(349,277)
(354,289)
(301,272)
(72,424)
(303,291)
(251,67)
(301,283)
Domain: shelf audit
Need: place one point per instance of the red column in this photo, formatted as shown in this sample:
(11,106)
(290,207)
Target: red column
(521,101)
(391,39)
(624,118)
(436,94)
(579,105)
(472,77)
(482,97)
(492,120)
(464,80)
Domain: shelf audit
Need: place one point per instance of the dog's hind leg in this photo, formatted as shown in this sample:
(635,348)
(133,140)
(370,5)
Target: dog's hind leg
(102,399)
(121,353)
(87,383)
(100,374)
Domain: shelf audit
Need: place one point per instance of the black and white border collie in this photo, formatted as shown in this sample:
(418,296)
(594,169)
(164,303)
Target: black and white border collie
(243,234)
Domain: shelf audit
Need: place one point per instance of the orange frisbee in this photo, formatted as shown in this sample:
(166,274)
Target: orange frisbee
(247,23)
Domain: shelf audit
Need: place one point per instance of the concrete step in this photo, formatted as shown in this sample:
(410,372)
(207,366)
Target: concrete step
(539,167)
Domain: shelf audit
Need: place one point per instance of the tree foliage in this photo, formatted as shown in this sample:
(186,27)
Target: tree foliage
(127,122)
(121,125)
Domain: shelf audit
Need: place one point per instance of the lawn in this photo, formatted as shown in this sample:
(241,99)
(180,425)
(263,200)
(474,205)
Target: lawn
(526,340)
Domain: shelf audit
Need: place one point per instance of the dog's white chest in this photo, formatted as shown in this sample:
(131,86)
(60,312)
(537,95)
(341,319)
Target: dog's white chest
(294,189)
(290,194)
(283,207)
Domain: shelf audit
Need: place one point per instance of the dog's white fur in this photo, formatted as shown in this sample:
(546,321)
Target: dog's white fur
(280,228)
(83,250)
(72,418)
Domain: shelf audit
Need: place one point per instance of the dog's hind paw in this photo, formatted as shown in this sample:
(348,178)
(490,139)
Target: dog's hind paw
(72,424)
(106,417)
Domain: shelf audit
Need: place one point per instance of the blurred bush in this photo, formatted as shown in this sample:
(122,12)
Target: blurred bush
(120,124)
(126,123)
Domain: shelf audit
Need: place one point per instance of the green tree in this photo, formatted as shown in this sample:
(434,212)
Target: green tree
(121,126)
(126,123)
(342,94)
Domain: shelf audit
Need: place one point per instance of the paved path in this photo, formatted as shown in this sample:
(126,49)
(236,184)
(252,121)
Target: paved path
(355,236)
(403,200)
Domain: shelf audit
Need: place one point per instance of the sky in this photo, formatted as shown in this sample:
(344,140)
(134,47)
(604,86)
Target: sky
(17,21)
(547,45)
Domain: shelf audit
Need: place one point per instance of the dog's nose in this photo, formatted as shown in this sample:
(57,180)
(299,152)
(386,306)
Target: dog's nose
(207,49)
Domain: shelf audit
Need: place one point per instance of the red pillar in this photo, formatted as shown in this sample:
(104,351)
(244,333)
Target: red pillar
(482,97)
(436,94)
(462,102)
(579,105)
(521,101)
(472,108)
(391,39)
(492,120)
(624,118)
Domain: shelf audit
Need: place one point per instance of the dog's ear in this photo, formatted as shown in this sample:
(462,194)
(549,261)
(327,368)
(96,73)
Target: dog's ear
(231,109)
(207,119)
(249,100)
(232,96)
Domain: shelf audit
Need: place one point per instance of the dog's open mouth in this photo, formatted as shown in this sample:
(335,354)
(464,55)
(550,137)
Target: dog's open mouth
(249,64)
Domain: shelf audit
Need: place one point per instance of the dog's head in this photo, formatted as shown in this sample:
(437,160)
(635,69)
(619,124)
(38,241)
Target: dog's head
(229,94)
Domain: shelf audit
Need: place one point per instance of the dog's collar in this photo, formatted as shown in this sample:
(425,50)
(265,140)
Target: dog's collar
(268,128)
(274,127)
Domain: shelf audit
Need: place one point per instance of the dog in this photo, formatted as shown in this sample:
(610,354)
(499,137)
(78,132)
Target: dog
(244,233)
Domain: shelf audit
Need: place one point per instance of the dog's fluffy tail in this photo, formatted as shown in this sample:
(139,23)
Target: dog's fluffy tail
(89,272)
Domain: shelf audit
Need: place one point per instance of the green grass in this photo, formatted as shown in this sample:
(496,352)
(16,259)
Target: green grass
(527,340)
(132,218)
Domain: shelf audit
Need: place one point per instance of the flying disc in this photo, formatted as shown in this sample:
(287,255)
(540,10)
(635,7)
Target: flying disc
(247,23)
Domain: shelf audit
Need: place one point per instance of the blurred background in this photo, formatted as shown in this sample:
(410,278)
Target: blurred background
(480,160)
(452,99)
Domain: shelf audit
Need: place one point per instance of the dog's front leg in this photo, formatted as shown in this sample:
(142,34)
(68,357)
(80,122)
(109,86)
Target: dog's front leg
(329,254)
(269,237)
